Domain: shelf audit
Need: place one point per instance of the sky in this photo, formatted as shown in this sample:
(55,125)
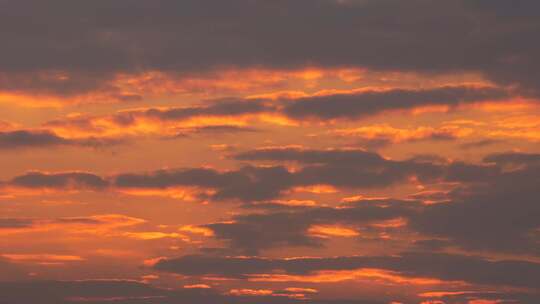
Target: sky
(269,151)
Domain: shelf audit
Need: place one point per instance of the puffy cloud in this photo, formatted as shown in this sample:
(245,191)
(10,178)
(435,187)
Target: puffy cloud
(350,168)
(336,168)
(306,226)
(248,183)
(492,209)
(501,213)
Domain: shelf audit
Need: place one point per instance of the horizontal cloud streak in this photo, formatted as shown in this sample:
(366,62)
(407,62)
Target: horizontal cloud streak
(25,139)
(363,104)
(131,292)
(442,266)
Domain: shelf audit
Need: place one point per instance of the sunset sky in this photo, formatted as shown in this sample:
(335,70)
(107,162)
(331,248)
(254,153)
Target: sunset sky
(269,151)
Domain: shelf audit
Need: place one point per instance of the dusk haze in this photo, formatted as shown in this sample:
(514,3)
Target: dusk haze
(270,152)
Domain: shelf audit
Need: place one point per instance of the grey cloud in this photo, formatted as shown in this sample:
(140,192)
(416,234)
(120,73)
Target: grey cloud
(224,107)
(501,213)
(248,183)
(311,156)
(432,245)
(132,36)
(493,209)
(45,292)
(129,292)
(255,232)
(348,168)
(22,139)
(79,180)
(480,144)
(10,271)
(223,129)
(369,103)
(214,130)
(359,168)
(127,118)
(513,158)
(340,168)
(500,296)
(9,223)
(433,265)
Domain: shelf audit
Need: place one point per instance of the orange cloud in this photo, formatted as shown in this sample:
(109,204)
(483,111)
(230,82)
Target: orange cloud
(441,294)
(98,224)
(325,231)
(197,230)
(146,122)
(155,235)
(317,189)
(42,259)
(398,135)
(196,286)
(382,276)
(293,203)
(183,193)
(301,290)
(523,127)
(483,301)
(393,223)
(250,292)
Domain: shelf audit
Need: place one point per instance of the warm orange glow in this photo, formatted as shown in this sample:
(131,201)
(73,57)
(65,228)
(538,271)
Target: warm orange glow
(383,276)
(295,202)
(398,135)
(42,258)
(440,294)
(430,109)
(393,223)
(522,127)
(27,100)
(433,302)
(149,278)
(181,193)
(483,301)
(155,235)
(509,106)
(98,224)
(325,231)
(318,189)
(250,292)
(301,290)
(197,230)
(247,151)
(152,262)
(195,286)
